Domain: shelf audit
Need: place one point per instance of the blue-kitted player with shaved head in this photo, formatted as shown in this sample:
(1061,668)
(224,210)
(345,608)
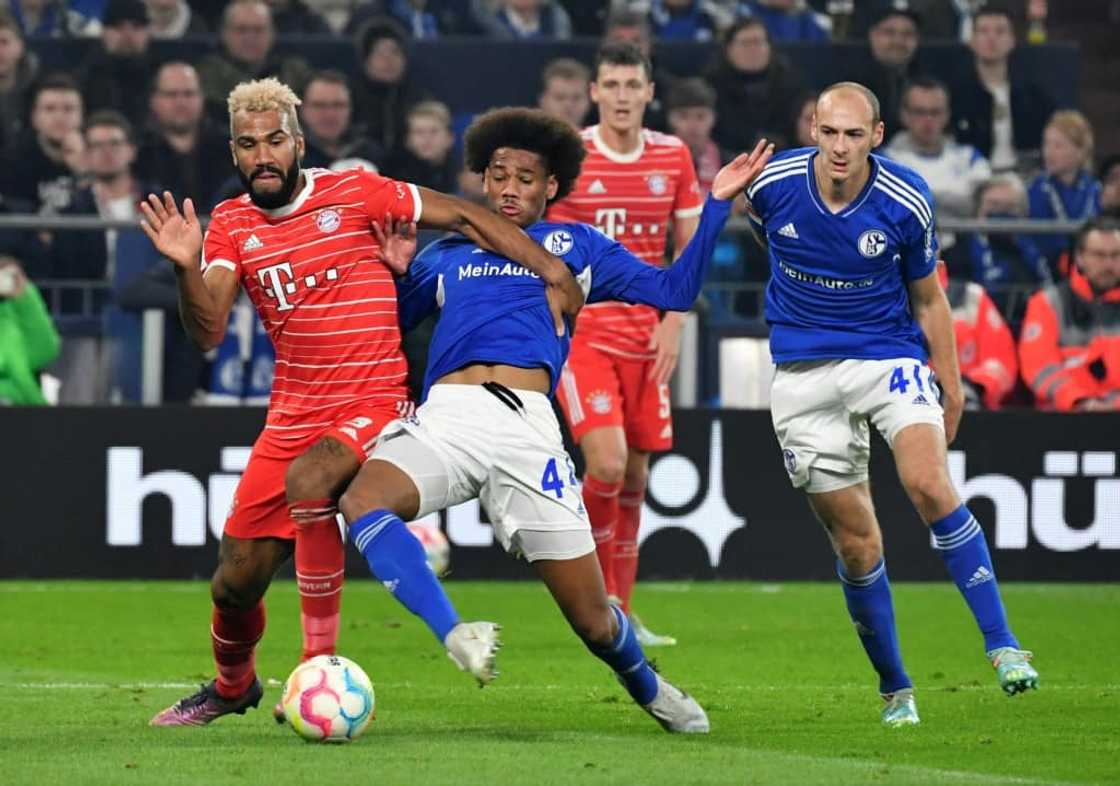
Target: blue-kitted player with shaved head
(861,331)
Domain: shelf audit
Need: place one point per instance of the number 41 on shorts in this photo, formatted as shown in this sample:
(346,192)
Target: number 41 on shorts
(900,383)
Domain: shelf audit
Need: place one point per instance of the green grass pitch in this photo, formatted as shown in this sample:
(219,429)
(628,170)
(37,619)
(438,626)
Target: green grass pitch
(789,693)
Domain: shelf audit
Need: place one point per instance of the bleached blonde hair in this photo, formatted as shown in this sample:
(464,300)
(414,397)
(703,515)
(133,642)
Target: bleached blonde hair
(265,95)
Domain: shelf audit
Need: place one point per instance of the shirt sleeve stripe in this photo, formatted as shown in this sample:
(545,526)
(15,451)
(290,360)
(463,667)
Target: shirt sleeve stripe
(688,212)
(220,263)
(418,204)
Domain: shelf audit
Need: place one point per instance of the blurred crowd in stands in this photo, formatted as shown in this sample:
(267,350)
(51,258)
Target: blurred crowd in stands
(1038,316)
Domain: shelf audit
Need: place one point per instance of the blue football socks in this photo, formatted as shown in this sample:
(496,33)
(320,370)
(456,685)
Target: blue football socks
(961,543)
(872,612)
(625,656)
(397,560)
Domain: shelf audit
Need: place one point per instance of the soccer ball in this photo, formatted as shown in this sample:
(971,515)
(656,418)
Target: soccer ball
(328,699)
(435,544)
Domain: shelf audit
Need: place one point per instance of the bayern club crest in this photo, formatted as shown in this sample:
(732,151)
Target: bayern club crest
(600,402)
(658,184)
(872,243)
(328,220)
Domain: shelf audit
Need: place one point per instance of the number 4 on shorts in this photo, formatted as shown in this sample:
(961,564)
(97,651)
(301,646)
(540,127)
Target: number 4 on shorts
(550,480)
(899,381)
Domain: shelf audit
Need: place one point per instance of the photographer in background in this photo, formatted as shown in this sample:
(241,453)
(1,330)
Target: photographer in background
(28,339)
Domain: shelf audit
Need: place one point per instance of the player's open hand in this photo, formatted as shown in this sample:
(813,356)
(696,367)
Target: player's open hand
(396,241)
(178,236)
(734,178)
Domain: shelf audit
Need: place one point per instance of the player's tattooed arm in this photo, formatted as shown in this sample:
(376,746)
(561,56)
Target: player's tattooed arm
(495,232)
(204,301)
(931,310)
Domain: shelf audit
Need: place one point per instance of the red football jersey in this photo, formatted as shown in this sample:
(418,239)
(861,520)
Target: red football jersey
(328,303)
(631,198)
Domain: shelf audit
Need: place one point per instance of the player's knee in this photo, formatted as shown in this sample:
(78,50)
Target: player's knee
(357,502)
(607,468)
(595,627)
(859,552)
(234,590)
(930,490)
(305,479)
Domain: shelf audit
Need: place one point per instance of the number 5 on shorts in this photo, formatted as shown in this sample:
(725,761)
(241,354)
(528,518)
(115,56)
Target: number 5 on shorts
(550,480)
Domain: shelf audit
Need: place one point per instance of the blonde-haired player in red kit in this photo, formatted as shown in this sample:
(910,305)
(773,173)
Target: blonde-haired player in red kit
(308,246)
(635,186)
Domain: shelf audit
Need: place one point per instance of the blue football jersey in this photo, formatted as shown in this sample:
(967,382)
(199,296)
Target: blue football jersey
(838,281)
(493,310)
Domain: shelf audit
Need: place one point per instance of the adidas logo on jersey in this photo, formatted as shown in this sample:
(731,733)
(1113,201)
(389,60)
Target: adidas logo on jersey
(981,575)
(920,400)
(790,231)
(252,244)
(597,187)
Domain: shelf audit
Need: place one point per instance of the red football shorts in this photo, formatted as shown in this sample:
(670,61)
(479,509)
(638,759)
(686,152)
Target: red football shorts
(602,389)
(260,507)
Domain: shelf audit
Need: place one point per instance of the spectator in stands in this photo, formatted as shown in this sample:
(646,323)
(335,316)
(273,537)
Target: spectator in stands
(684,20)
(1066,190)
(692,116)
(952,170)
(425,158)
(171,19)
(293,17)
(755,88)
(417,16)
(182,150)
(384,91)
(52,19)
(1110,186)
(329,135)
(564,91)
(891,61)
(42,170)
(985,347)
(787,20)
(1069,349)
(997,107)
(18,68)
(800,133)
(941,19)
(247,36)
(28,339)
(114,193)
(117,73)
(1002,262)
(522,20)
(633,28)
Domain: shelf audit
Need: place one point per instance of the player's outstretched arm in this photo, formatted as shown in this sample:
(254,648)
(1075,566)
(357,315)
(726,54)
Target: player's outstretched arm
(204,302)
(495,232)
(931,310)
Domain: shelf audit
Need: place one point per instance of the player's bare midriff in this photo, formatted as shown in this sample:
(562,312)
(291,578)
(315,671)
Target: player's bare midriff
(512,377)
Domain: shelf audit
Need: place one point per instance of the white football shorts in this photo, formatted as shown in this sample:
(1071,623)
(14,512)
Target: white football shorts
(504,447)
(821,410)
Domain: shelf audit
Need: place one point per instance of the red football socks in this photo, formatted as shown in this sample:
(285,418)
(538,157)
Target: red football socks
(234,634)
(320,559)
(625,556)
(601,500)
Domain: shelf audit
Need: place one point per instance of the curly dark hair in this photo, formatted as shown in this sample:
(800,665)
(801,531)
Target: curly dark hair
(526,129)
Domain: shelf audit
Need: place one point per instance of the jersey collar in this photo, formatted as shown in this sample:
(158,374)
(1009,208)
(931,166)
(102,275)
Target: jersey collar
(611,155)
(854,205)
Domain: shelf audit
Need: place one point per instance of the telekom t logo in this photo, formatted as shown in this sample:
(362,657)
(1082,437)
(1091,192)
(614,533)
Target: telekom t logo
(278,281)
(611,221)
